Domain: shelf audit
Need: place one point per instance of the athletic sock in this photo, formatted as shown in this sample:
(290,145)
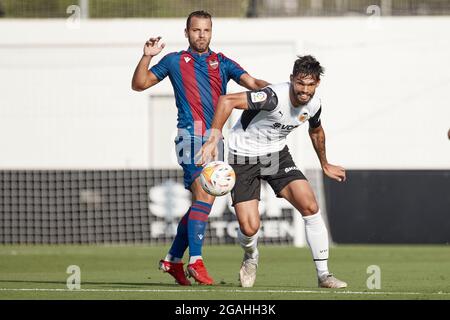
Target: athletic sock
(180,243)
(197,221)
(192,259)
(171,258)
(249,244)
(317,238)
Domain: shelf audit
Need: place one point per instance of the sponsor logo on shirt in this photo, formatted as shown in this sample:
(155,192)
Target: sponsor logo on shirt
(280,126)
(258,96)
(187,59)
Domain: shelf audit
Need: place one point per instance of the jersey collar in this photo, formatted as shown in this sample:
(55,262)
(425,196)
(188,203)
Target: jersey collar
(197,55)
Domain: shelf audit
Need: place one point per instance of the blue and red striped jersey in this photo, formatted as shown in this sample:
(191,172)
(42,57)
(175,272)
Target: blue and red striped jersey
(197,81)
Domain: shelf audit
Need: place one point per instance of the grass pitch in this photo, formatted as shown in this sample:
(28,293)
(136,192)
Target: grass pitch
(130,272)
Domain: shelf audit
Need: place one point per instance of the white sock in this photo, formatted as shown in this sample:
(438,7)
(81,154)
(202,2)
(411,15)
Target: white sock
(317,238)
(170,258)
(249,244)
(192,259)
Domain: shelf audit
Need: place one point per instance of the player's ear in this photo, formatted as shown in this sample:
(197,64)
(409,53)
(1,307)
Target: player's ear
(291,78)
(185,33)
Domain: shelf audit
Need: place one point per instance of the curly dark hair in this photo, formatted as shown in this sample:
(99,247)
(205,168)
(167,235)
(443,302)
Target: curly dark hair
(307,65)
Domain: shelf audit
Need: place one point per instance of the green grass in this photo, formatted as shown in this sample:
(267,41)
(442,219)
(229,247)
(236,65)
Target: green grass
(407,272)
(121,8)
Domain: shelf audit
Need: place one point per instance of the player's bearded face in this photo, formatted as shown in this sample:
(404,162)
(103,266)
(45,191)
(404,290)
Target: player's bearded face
(303,88)
(199,34)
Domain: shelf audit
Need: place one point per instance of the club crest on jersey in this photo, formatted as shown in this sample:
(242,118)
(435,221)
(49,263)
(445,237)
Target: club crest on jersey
(303,117)
(214,64)
(187,59)
(258,96)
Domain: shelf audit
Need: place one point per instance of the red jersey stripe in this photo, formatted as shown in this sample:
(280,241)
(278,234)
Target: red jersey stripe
(192,92)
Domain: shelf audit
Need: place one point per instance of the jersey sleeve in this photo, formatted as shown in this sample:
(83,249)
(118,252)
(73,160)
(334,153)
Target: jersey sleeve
(162,68)
(234,70)
(264,99)
(314,121)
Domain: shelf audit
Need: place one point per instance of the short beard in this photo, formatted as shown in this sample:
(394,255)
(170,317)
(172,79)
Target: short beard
(300,102)
(197,49)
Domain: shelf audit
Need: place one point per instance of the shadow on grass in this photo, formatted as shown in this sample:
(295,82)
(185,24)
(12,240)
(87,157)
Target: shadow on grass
(100,283)
(125,285)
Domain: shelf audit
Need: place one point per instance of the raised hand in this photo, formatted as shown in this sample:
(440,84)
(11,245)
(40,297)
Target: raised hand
(152,47)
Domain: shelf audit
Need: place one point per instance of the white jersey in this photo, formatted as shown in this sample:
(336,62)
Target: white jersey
(263,128)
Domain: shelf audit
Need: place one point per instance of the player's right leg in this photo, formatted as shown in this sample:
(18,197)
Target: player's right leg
(246,196)
(172,263)
(248,216)
(197,221)
(190,233)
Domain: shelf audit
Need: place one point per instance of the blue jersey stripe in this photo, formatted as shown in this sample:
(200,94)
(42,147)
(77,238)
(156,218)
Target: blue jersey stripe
(184,115)
(223,74)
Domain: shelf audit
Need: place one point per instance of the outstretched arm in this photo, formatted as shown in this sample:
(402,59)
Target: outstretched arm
(251,83)
(265,99)
(225,106)
(317,136)
(142,77)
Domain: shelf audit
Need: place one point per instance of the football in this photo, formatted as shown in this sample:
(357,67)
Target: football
(217,178)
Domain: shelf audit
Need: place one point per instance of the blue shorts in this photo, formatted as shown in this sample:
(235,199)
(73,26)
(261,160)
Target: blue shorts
(186,148)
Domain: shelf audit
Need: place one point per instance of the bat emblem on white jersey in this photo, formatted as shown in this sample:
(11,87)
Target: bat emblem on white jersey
(303,117)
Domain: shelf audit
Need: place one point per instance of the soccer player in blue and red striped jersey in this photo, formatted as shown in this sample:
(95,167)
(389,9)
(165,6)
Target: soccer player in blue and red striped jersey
(198,76)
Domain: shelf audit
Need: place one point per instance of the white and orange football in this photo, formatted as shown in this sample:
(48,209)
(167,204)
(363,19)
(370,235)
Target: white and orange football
(217,178)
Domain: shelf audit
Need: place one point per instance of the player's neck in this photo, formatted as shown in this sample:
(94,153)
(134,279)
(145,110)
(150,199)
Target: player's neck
(197,52)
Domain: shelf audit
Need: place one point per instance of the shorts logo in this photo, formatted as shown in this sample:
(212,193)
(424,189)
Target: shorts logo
(290,169)
(303,117)
(258,96)
(213,64)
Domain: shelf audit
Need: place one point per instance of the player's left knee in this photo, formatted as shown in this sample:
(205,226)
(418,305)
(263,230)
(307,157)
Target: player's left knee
(249,230)
(310,209)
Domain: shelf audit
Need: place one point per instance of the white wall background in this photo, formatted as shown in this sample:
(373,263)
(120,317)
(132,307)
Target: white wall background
(66,100)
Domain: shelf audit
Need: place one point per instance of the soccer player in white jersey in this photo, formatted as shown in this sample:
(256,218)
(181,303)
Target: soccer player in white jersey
(258,150)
